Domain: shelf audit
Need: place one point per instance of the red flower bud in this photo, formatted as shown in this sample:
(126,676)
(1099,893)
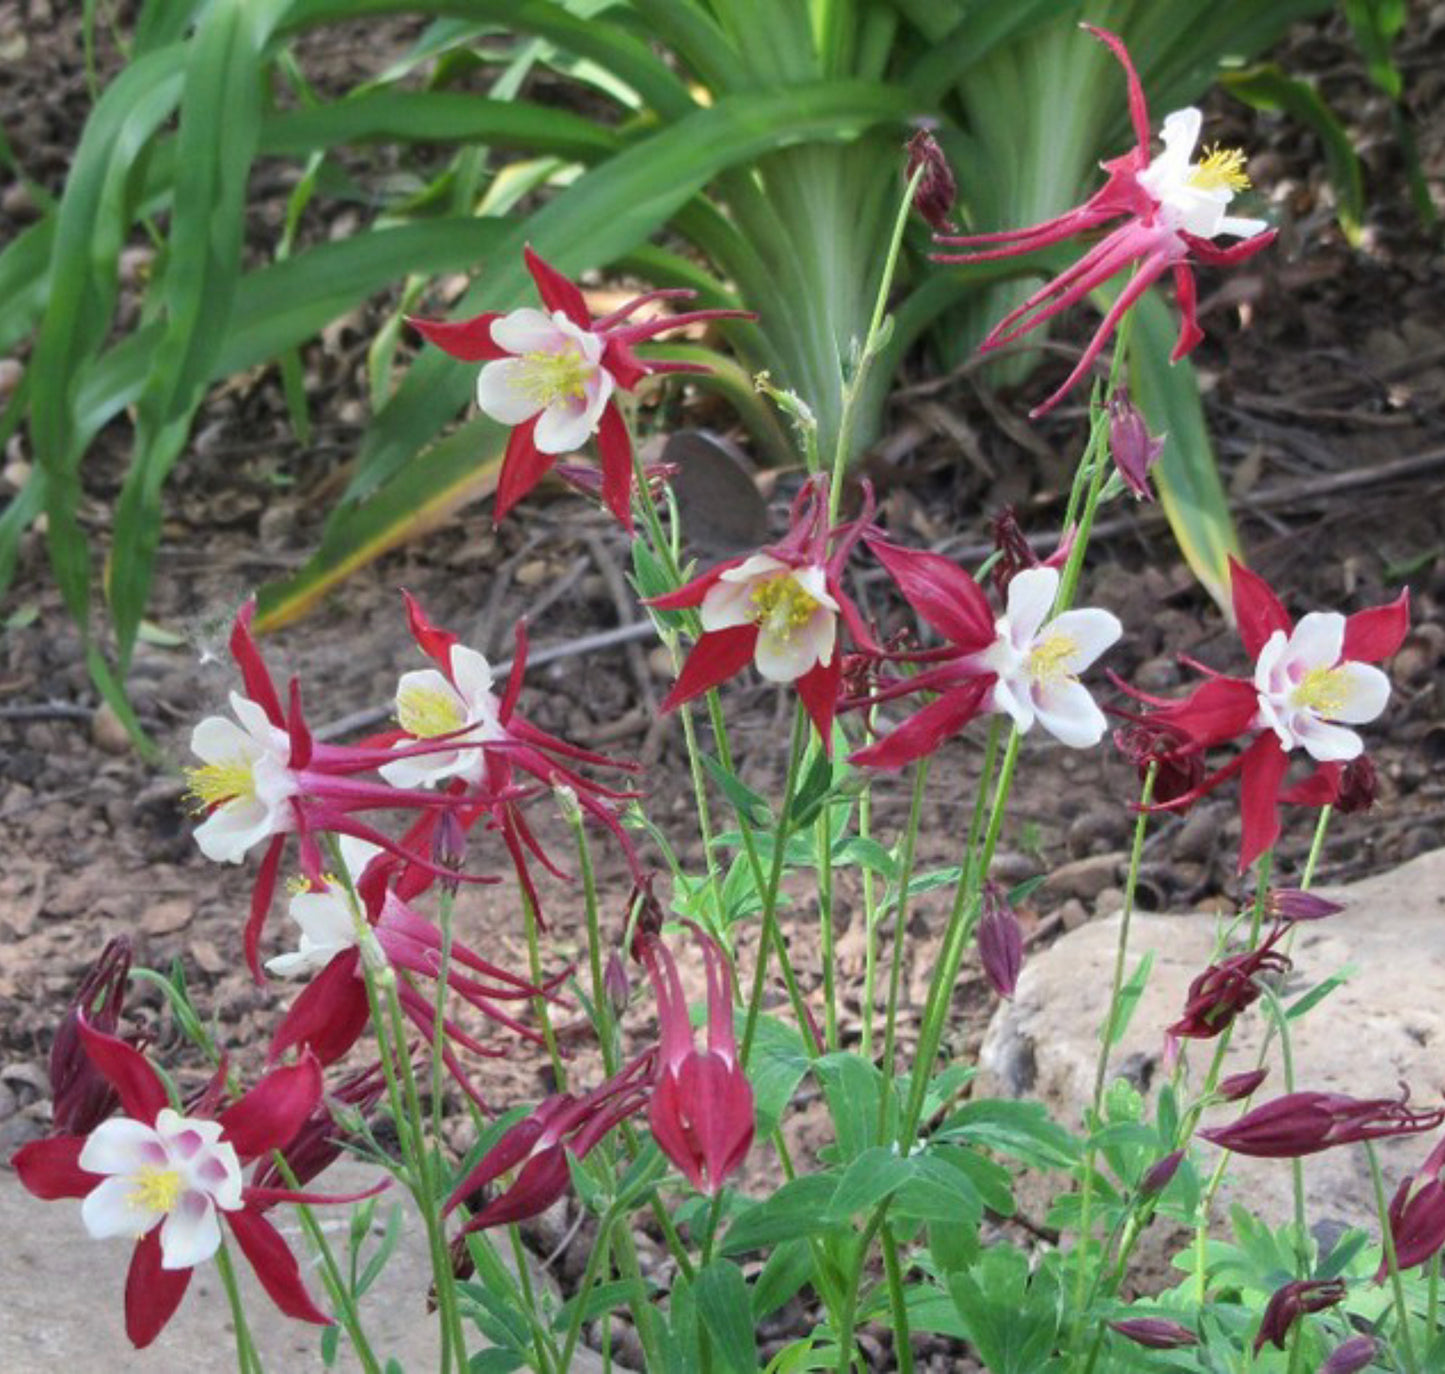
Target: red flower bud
(1237,1086)
(1351,1357)
(1292,1302)
(1000,941)
(1154,1333)
(1291,904)
(1359,786)
(1135,450)
(1304,1123)
(1225,989)
(1158,1178)
(81,1097)
(936,188)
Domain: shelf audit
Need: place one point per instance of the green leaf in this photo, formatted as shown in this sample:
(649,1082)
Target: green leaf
(852,1086)
(722,1300)
(1129,996)
(1320,991)
(777,1066)
(811,792)
(750,805)
(872,1176)
(788,1268)
(1022,1129)
(794,1212)
(937,1191)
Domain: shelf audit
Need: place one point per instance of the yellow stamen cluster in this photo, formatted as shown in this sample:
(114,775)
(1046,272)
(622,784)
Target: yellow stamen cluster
(1050,658)
(214,784)
(427,712)
(1220,169)
(549,377)
(156,1189)
(1324,691)
(781,605)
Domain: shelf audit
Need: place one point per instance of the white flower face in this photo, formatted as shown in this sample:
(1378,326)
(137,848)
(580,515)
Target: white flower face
(245,780)
(554,374)
(1195,195)
(428,706)
(1304,689)
(796,616)
(175,1174)
(325,918)
(1038,661)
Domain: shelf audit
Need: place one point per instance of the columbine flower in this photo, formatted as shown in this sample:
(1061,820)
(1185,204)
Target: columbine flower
(1304,1123)
(1160,1174)
(168,1180)
(1237,1086)
(777,609)
(1307,679)
(1293,1301)
(701,1113)
(1173,209)
(553,375)
(1036,661)
(1417,1215)
(537,1146)
(1227,988)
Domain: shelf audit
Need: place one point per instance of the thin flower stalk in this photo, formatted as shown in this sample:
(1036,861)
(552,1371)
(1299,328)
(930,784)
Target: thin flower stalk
(1387,1241)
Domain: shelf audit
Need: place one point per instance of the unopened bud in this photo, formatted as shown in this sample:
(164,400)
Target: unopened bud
(1237,1086)
(1358,786)
(1135,450)
(81,1097)
(1154,1333)
(1000,941)
(1351,1357)
(615,984)
(567,804)
(1292,904)
(1158,1178)
(936,187)
(449,847)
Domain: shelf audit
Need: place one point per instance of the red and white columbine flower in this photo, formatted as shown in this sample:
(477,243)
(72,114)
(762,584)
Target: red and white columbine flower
(553,376)
(1310,682)
(777,609)
(1173,208)
(168,1180)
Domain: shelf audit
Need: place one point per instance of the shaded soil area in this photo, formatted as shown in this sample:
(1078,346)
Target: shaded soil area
(1324,375)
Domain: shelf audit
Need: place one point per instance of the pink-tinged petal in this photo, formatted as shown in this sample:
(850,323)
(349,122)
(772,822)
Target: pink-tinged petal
(508,703)
(435,643)
(328,1016)
(818,688)
(941,592)
(692,593)
(1257,610)
(717,656)
(522,468)
(1202,250)
(674,1029)
(923,732)
(269,1116)
(254,673)
(468,340)
(721,1039)
(556,291)
(275,1265)
(1373,635)
(1138,106)
(261,895)
(269,1197)
(50,1169)
(1262,770)
(615,448)
(152,1293)
(532,331)
(125,1068)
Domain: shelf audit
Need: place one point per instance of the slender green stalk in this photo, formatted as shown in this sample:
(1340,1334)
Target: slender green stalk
(1316,846)
(823,830)
(444,918)
(1432,1301)
(595,1259)
(897,1304)
(870,918)
(1387,1239)
(247,1360)
(601,1003)
(1281,1023)
(850,1303)
(540,1008)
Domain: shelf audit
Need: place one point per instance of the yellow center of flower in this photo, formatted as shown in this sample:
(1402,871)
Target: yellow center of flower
(781,605)
(1221,169)
(428,711)
(214,784)
(1323,691)
(156,1189)
(550,377)
(1050,658)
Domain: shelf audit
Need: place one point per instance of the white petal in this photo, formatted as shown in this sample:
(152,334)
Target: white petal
(1325,742)
(529,331)
(1068,713)
(324,918)
(191,1233)
(472,675)
(218,740)
(1180,133)
(502,393)
(785,660)
(186,1136)
(121,1146)
(1092,632)
(1241,228)
(1317,642)
(274,783)
(754,566)
(814,580)
(230,830)
(1014,703)
(727,603)
(1030,598)
(109,1210)
(257,724)
(563,427)
(1367,690)
(1270,677)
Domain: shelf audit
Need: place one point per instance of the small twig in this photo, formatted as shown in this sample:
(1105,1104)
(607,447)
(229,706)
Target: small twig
(623,602)
(47,710)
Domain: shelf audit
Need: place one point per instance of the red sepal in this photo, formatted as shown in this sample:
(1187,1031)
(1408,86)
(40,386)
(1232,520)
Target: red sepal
(717,656)
(1262,770)
(469,340)
(125,1068)
(818,690)
(435,643)
(261,895)
(269,1116)
(522,468)
(941,592)
(275,1265)
(1257,609)
(1321,788)
(50,1169)
(923,732)
(1138,106)
(152,1294)
(556,291)
(692,593)
(1375,634)
(328,1016)
(254,674)
(615,449)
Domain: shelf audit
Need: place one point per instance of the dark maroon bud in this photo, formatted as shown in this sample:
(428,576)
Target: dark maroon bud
(1179,768)
(1304,1123)
(1292,1302)
(1225,989)
(1135,450)
(1417,1215)
(1155,1333)
(936,188)
(1015,552)
(1000,941)
(1292,904)
(1237,1086)
(1359,787)
(1157,1179)
(81,1097)
(1351,1357)
(449,847)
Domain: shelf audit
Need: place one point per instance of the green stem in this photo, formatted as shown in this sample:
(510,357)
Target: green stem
(595,1260)
(601,1005)
(897,1304)
(1316,846)
(539,1002)
(870,918)
(850,1303)
(1402,1310)
(1432,1301)
(823,830)
(439,1031)
(247,1360)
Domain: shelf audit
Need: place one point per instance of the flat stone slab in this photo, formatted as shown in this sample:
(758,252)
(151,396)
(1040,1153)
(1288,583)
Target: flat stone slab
(1385,1026)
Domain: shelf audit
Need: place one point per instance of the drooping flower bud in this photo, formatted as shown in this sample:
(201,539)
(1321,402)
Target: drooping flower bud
(449,848)
(1292,904)
(1351,1357)
(1292,1302)
(1359,786)
(1135,450)
(1304,1123)
(1225,989)
(1157,1179)
(936,188)
(1178,769)
(615,984)
(1000,941)
(1154,1333)
(1237,1086)
(1417,1215)
(81,1097)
